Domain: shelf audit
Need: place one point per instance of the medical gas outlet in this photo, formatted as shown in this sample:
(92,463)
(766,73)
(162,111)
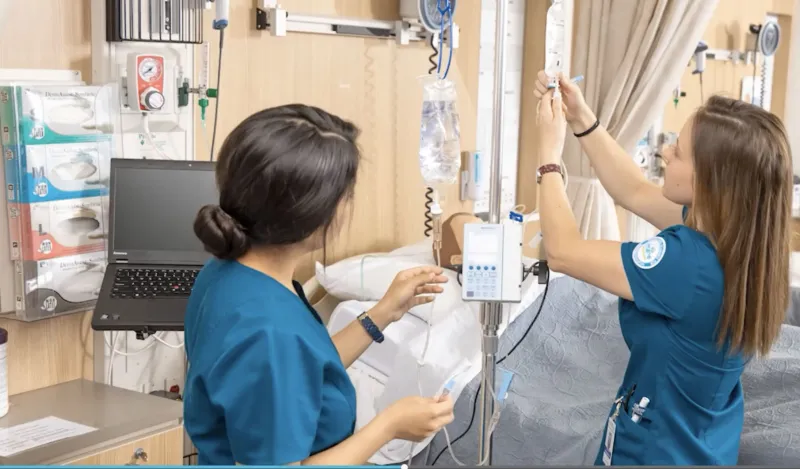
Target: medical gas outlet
(146,90)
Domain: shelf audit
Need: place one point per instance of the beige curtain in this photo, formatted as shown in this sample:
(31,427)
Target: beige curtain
(632,54)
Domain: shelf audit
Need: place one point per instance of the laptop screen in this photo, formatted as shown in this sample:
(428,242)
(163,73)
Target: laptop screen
(153,207)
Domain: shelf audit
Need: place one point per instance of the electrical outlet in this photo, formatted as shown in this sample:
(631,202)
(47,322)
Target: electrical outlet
(508,200)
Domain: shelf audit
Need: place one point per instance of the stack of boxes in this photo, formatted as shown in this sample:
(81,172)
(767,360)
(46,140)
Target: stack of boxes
(57,160)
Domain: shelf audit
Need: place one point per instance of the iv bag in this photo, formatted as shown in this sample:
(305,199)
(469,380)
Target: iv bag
(439,134)
(554,42)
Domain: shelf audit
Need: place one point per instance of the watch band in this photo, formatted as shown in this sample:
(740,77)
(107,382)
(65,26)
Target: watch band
(370,327)
(589,130)
(548,168)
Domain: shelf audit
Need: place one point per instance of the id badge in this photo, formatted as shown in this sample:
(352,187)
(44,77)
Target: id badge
(611,433)
(608,445)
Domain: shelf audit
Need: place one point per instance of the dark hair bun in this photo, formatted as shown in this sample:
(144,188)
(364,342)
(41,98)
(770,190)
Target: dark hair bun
(221,235)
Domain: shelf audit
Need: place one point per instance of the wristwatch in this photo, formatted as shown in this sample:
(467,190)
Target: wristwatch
(549,168)
(371,328)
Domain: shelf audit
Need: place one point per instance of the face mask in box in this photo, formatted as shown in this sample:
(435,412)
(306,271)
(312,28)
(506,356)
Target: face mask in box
(62,171)
(63,285)
(57,114)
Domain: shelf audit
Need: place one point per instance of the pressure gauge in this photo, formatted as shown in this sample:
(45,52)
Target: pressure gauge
(150,70)
(152,99)
(428,13)
(431,15)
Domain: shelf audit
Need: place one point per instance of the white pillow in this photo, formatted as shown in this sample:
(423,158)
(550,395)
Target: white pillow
(367,278)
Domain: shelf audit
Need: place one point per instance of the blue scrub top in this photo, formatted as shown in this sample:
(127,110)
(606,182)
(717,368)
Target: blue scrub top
(696,408)
(265,384)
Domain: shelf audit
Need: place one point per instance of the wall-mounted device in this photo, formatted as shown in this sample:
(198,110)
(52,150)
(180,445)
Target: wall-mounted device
(474,180)
(154,21)
(273,17)
(145,82)
(492,262)
(700,58)
(427,13)
(764,38)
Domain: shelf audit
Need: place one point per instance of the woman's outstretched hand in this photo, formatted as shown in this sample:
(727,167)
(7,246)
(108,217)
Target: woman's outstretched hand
(410,288)
(416,418)
(574,105)
(551,129)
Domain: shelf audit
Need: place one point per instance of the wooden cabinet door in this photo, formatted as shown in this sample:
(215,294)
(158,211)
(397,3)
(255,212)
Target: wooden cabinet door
(161,449)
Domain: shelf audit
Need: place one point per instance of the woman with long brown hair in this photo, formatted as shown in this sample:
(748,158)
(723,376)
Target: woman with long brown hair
(698,300)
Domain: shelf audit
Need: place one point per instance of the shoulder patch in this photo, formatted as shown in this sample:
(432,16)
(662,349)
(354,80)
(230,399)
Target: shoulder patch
(649,253)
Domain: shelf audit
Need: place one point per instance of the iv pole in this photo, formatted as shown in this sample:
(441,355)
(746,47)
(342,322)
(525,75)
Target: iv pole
(492,312)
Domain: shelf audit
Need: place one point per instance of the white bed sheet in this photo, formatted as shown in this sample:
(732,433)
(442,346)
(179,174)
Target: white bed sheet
(389,371)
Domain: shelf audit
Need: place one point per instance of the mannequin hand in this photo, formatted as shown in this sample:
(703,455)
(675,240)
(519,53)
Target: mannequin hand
(410,288)
(415,418)
(551,129)
(576,111)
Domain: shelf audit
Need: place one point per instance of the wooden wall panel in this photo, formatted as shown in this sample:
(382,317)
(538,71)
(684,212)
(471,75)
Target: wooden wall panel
(373,82)
(728,30)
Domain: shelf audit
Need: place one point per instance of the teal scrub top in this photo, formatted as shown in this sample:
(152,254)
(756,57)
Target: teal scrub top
(265,384)
(696,408)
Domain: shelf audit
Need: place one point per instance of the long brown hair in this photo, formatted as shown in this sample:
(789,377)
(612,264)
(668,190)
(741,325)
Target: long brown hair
(743,202)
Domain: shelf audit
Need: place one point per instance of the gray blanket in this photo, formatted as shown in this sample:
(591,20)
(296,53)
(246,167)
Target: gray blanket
(568,369)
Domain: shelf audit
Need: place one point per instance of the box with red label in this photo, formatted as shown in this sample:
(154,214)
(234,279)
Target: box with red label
(46,230)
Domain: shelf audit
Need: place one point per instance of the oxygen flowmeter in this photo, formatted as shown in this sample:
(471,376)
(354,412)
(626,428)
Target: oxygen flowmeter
(146,82)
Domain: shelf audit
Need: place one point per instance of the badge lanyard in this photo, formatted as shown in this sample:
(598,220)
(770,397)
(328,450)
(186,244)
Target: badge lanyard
(611,431)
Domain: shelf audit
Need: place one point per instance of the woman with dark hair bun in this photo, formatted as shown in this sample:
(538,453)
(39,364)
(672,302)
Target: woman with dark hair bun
(266,384)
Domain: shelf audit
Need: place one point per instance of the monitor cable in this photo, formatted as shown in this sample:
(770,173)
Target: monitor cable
(219,85)
(534,268)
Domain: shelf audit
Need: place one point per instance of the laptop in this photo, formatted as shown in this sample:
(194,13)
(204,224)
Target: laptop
(153,253)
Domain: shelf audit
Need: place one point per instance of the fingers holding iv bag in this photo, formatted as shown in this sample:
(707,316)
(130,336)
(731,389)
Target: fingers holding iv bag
(554,44)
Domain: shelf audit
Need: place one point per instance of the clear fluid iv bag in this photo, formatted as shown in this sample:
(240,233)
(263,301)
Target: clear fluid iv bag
(439,134)
(554,42)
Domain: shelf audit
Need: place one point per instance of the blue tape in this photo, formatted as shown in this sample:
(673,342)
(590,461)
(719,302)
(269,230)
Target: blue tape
(505,384)
(450,385)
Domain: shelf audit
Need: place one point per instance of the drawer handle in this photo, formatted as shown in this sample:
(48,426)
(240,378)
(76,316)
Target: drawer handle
(138,455)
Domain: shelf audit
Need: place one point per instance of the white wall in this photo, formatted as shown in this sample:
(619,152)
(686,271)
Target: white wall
(792,113)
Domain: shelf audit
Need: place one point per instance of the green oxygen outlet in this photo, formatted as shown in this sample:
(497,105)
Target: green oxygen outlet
(203,102)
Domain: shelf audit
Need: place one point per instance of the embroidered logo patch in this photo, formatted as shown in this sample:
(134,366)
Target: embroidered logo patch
(649,253)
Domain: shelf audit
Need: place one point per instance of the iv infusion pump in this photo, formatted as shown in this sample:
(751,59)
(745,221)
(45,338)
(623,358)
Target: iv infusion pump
(492,262)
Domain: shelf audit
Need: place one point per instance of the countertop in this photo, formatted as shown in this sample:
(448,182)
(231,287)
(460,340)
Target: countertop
(119,415)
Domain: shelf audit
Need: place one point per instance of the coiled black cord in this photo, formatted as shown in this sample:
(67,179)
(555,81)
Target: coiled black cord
(541,264)
(433,56)
(428,217)
(429,191)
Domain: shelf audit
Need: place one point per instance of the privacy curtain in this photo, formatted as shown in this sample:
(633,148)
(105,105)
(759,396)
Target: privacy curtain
(632,54)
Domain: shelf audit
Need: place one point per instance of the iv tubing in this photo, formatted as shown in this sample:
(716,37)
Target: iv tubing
(149,138)
(446,10)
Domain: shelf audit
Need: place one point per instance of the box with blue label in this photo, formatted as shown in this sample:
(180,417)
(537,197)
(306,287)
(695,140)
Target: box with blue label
(34,115)
(54,287)
(57,171)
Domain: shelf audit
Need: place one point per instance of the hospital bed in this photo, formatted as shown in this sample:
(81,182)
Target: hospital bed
(566,371)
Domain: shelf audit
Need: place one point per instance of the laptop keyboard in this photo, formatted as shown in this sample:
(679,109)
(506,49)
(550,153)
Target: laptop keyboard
(138,283)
